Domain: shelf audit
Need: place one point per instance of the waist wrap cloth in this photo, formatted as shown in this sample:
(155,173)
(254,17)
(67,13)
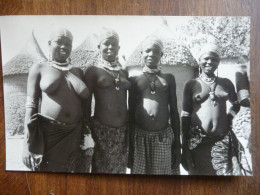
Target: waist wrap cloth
(110,149)
(153,152)
(218,155)
(59,143)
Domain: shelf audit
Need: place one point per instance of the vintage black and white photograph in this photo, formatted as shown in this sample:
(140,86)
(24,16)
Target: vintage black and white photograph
(154,95)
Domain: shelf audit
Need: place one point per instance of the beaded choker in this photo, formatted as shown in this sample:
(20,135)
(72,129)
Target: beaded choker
(61,66)
(113,66)
(151,70)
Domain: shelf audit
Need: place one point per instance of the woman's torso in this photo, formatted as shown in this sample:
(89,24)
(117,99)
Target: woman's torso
(210,115)
(152,112)
(110,103)
(59,99)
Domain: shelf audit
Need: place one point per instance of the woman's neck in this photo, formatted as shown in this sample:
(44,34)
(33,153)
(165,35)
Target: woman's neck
(207,75)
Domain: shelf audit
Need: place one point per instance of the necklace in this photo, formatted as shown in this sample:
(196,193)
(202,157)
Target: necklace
(117,80)
(212,94)
(112,67)
(152,83)
(61,66)
(151,70)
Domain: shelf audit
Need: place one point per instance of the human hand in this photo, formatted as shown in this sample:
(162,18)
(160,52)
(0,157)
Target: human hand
(197,131)
(187,160)
(176,156)
(31,160)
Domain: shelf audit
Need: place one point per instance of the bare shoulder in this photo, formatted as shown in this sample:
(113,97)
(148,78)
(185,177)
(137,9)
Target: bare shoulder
(37,68)
(77,71)
(225,82)
(91,70)
(168,77)
(190,83)
(125,72)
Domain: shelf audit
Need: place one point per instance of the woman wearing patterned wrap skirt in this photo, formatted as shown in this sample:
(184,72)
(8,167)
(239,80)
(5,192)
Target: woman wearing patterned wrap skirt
(109,84)
(154,143)
(209,145)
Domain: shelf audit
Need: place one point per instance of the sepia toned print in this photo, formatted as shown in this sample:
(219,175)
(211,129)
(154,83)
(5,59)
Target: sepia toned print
(127,94)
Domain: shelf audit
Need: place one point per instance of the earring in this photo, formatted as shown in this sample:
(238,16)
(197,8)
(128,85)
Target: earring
(68,60)
(160,64)
(101,60)
(50,57)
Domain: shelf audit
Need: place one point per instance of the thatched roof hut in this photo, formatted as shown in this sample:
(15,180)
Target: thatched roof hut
(21,63)
(86,54)
(15,74)
(177,59)
(175,52)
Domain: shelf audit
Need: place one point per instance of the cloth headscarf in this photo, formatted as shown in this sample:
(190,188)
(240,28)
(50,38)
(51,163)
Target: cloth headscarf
(208,47)
(154,40)
(61,32)
(107,33)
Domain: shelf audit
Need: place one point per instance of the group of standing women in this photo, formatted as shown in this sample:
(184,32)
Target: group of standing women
(143,133)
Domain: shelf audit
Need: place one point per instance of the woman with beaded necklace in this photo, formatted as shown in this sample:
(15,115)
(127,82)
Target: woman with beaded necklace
(155,143)
(54,128)
(109,84)
(209,145)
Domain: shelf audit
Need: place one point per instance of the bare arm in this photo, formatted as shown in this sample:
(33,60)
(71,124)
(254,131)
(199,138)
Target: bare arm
(186,113)
(33,96)
(132,106)
(89,78)
(175,120)
(187,161)
(242,85)
(174,114)
(234,109)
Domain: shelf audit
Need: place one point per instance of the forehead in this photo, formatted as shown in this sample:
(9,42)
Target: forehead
(110,40)
(209,54)
(150,45)
(61,38)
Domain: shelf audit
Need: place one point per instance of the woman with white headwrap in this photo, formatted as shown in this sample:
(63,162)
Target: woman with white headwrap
(54,127)
(109,84)
(209,145)
(154,143)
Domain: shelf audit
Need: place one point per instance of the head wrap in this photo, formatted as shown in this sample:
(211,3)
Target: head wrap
(61,32)
(107,33)
(154,40)
(208,47)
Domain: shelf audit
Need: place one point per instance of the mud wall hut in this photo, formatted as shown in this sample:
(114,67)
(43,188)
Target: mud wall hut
(177,60)
(15,73)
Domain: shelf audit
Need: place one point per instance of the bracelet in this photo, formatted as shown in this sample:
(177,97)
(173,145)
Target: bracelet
(31,103)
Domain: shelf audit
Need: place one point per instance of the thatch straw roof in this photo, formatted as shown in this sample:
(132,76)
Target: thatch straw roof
(21,63)
(86,54)
(175,52)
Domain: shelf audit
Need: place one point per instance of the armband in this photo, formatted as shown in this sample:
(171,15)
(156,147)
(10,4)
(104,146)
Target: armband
(185,114)
(31,103)
(232,112)
(242,94)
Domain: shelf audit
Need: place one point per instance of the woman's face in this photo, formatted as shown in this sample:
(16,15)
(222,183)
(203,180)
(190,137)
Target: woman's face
(151,55)
(209,63)
(109,49)
(60,48)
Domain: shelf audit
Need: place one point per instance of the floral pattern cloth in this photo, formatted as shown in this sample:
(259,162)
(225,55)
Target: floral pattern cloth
(218,155)
(110,150)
